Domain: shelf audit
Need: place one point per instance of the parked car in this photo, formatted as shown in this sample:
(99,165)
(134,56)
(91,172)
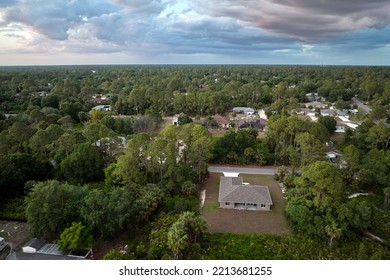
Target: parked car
(2,244)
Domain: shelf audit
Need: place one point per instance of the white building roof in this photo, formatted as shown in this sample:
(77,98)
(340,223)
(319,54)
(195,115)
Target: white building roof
(352,125)
(344,119)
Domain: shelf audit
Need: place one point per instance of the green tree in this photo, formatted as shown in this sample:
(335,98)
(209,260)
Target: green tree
(329,122)
(107,213)
(41,142)
(281,172)
(352,156)
(183,119)
(378,137)
(16,170)
(52,206)
(98,115)
(177,239)
(386,192)
(16,138)
(325,182)
(185,231)
(375,170)
(147,202)
(309,149)
(77,236)
(84,164)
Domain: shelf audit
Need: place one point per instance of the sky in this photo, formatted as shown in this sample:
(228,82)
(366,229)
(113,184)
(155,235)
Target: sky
(320,32)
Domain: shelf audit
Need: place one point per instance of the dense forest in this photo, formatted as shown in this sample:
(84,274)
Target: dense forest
(69,170)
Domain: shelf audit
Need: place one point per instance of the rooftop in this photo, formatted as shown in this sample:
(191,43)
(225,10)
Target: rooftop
(233,189)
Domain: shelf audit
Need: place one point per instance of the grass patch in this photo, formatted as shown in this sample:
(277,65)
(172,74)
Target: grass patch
(212,206)
(337,137)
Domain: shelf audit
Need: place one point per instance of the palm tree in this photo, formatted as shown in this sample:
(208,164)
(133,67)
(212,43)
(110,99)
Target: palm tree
(333,231)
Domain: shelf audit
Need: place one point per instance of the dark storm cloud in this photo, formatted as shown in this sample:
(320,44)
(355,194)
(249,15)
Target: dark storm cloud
(250,28)
(306,20)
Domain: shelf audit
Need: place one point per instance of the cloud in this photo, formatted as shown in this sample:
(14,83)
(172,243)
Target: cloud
(145,7)
(191,33)
(305,20)
(239,29)
(53,18)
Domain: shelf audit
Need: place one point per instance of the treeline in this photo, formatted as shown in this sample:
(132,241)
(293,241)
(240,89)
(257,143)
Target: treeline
(193,90)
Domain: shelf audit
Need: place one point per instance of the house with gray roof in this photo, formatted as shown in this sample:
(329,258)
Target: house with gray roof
(235,194)
(33,245)
(39,249)
(244,110)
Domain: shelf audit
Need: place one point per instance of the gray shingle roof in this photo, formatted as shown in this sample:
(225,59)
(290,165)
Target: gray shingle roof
(35,243)
(232,190)
(37,256)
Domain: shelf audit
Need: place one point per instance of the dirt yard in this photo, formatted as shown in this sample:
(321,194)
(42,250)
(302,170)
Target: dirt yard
(16,234)
(244,221)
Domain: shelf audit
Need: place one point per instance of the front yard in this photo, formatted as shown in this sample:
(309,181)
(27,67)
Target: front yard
(244,221)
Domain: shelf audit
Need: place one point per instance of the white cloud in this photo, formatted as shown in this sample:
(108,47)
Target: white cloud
(162,29)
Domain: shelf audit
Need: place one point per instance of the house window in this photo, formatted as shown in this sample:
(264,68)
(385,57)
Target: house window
(227,203)
(262,205)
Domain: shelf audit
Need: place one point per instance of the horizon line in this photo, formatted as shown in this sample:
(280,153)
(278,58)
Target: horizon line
(195,64)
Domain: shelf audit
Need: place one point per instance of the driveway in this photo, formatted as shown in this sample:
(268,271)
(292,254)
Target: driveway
(242,170)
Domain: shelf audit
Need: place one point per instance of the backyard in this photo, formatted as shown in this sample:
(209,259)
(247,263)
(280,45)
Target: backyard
(244,221)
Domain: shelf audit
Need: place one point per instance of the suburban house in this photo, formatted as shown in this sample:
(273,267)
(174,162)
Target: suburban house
(341,120)
(244,110)
(223,122)
(39,249)
(332,154)
(314,97)
(312,116)
(328,112)
(106,108)
(340,128)
(235,194)
(33,245)
(257,124)
(315,105)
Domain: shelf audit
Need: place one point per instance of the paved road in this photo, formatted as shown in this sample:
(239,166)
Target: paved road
(361,105)
(243,170)
(367,110)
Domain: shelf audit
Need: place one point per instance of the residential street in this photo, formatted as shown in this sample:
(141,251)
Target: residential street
(243,170)
(366,109)
(361,105)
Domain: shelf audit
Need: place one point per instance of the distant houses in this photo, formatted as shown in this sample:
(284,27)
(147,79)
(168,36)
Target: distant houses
(316,105)
(99,98)
(106,108)
(244,110)
(314,97)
